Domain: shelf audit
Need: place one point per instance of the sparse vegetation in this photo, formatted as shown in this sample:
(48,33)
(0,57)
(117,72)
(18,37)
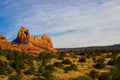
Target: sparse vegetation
(93,74)
(15,77)
(57,64)
(66,61)
(83,59)
(75,65)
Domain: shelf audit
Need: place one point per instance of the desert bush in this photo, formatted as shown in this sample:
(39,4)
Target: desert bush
(43,56)
(15,77)
(111,62)
(71,67)
(61,55)
(17,65)
(81,78)
(38,78)
(66,69)
(30,71)
(45,61)
(49,67)
(109,56)
(100,60)
(114,61)
(48,75)
(57,64)
(83,59)
(66,61)
(104,76)
(74,56)
(74,67)
(40,69)
(115,72)
(94,59)
(5,68)
(93,74)
(99,65)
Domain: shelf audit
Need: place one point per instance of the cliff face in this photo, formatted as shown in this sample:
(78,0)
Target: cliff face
(25,42)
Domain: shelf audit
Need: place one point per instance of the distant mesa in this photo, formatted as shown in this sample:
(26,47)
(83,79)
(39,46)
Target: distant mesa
(25,42)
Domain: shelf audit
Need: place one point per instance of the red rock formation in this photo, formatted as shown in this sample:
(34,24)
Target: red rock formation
(4,44)
(44,43)
(3,38)
(28,43)
(47,40)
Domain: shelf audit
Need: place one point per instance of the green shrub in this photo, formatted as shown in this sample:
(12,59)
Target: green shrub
(57,64)
(40,69)
(83,59)
(18,66)
(15,77)
(74,67)
(66,61)
(31,70)
(104,76)
(81,78)
(93,74)
(94,59)
(48,75)
(101,60)
(38,78)
(71,67)
(114,61)
(115,72)
(99,65)
(45,61)
(111,62)
(5,68)
(74,56)
(66,69)
(60,57)
(50,67)
(43,56)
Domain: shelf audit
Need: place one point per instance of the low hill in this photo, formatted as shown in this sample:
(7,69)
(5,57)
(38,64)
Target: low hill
(116,46)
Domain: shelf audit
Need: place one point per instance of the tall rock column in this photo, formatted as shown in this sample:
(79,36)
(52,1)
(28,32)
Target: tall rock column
(23,36)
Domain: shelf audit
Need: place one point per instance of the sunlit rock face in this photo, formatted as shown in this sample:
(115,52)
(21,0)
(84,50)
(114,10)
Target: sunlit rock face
(3,38)
(26,43)
(3,43)
(23,36)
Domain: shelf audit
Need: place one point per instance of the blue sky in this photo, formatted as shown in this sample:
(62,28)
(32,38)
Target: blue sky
(70,23)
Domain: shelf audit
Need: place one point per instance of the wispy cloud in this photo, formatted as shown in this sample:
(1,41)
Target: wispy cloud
(71,23)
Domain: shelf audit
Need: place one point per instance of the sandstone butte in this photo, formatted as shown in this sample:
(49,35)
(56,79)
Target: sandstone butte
(26,43)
